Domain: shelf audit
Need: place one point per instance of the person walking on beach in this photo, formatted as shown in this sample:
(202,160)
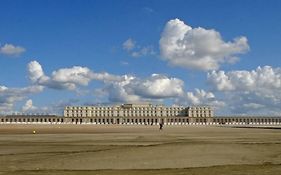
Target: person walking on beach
(161,126)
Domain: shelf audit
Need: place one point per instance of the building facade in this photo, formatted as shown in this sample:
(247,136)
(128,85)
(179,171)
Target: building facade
(31,119)
(138,114)
(247,120)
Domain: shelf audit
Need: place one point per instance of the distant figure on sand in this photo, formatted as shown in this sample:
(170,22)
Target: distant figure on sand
(161,126)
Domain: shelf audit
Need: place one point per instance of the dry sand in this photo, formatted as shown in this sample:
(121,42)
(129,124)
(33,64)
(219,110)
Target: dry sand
(113,149)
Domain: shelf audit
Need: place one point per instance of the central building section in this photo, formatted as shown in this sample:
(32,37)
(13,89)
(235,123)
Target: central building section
(147,114)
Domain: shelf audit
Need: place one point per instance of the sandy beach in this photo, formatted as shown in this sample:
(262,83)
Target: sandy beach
(119,149)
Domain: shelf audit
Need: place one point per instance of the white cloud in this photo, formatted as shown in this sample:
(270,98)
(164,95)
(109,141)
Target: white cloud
(28,106)
(153,88)
(265,80)
(253,105)
(220,81)
(198,48)
(117,91)
(256,91)
(135,50)
(200,97)
(56,107)
(75,75)
(129,44)
(9,96)
(157,86)
(119,88)
(36,72)
(106,77)
(10,49)
(126,88)
(144,51)
(67,78)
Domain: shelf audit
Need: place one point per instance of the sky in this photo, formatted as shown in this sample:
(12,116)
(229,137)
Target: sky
(221,53)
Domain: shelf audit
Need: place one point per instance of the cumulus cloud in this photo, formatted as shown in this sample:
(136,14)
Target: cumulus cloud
(256,91)
(9,96)
(52,108)
(129,44)
(253,106)
(199,97)
(10,49)
(28,106)
(264,80)
(144,51)
(198,48)
(117,91)
(157,86)
(106,77)
(125,88)
(36,72)
(75,75)
(135,50)
(220,81)
(66,78)
(153,88)
(116,88)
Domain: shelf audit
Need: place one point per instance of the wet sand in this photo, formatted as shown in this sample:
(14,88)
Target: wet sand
(117,149)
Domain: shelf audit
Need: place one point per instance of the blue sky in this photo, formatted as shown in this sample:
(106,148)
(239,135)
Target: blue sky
(55,36)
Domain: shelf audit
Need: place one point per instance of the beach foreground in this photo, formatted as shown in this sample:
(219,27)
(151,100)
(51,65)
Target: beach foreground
(114,149)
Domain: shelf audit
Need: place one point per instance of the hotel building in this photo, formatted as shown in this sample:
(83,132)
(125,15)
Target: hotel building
(138,114)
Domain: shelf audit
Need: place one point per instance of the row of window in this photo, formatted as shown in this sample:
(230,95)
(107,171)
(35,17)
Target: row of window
(198,112)
(87,110)
(125,115)
(199,108)
(129,109)
(147,121)
(124,112)
(224,120)
(200,115)
(31,120)
(136,113)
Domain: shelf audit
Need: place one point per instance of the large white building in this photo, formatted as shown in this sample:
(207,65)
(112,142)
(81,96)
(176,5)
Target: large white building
(138,114)
(144,114)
